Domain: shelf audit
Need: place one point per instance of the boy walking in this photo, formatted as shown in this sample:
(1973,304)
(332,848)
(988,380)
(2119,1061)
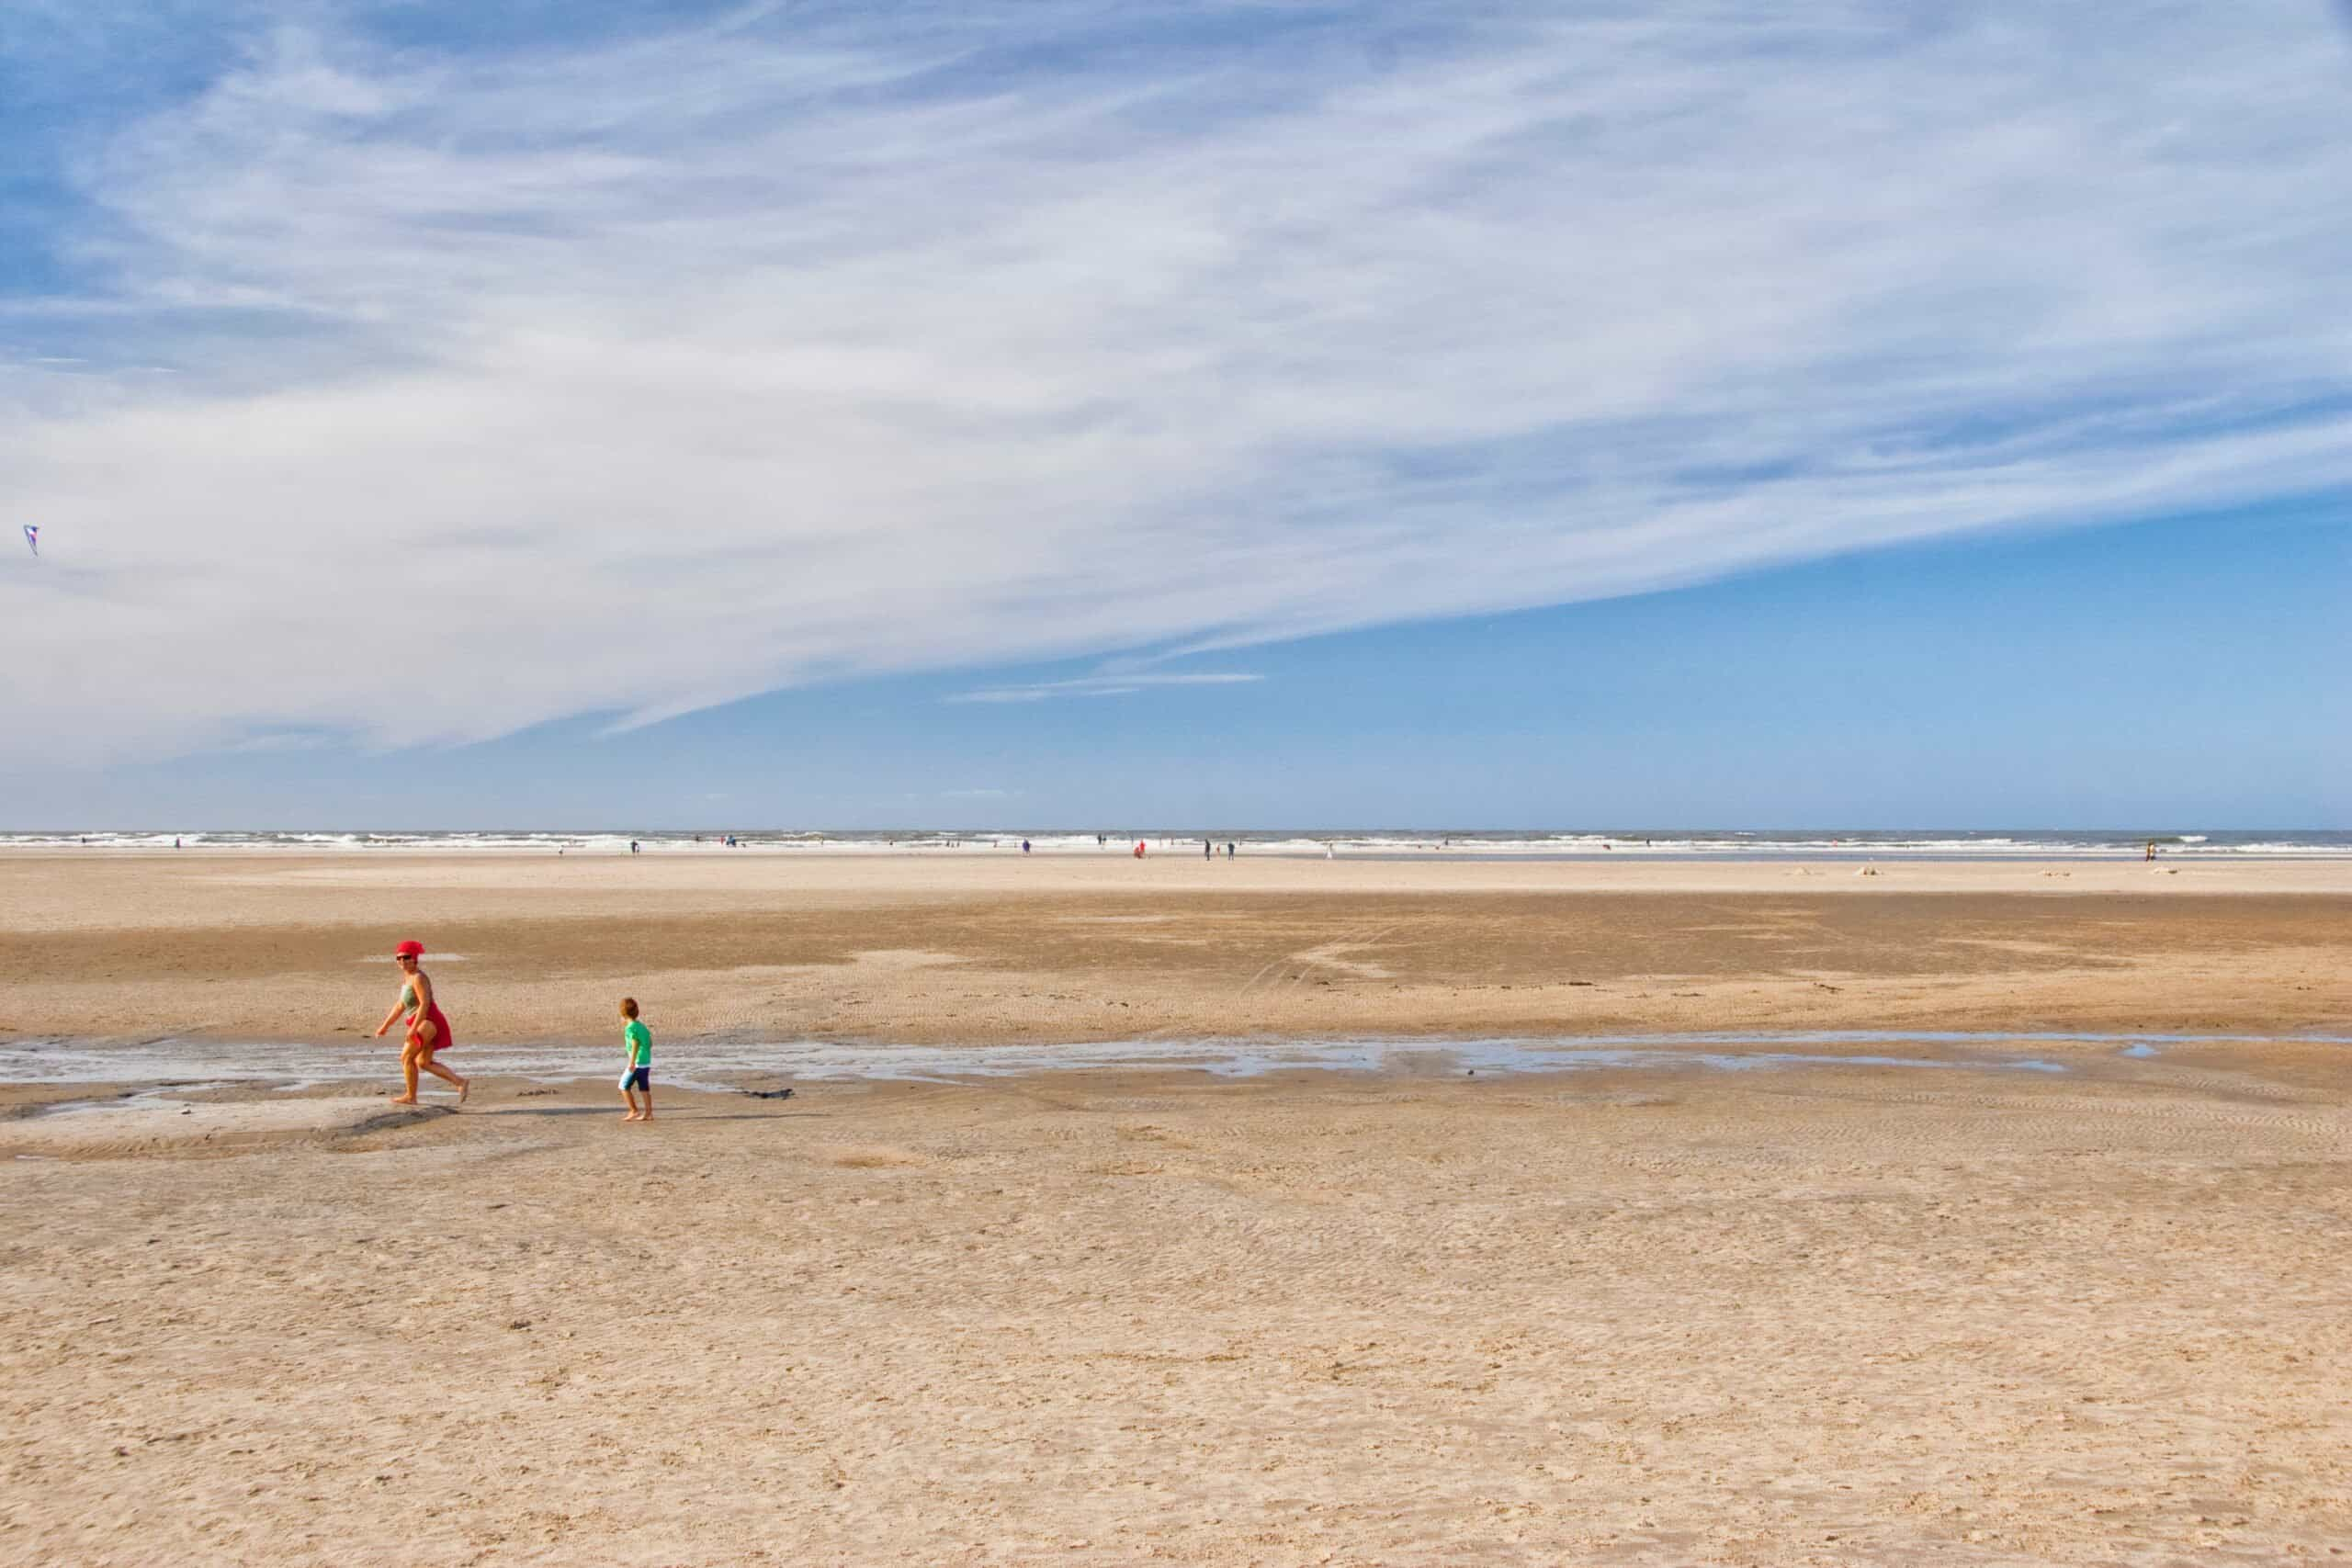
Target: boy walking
(637,1069)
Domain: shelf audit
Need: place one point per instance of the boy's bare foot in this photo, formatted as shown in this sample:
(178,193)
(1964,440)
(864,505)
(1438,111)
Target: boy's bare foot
(646,1117)
(629,1116)
(402,1098)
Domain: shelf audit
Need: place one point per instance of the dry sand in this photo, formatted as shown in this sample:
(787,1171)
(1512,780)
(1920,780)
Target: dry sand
(1839,1313)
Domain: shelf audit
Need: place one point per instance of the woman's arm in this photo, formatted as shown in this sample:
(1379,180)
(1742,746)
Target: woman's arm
(397,1009)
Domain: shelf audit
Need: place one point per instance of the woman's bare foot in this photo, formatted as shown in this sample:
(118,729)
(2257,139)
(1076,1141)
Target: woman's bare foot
(464,1088)
(402,1098)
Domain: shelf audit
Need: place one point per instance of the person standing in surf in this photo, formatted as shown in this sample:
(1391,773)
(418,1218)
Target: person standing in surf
(428,1026)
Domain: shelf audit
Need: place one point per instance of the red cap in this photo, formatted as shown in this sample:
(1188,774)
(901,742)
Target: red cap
(408,950)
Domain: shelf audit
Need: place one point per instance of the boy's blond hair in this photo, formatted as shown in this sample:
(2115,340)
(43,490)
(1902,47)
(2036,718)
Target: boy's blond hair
(628,1007)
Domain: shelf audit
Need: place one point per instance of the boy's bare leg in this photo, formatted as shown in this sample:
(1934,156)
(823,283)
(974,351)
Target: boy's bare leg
(630,1095)
(648,1103)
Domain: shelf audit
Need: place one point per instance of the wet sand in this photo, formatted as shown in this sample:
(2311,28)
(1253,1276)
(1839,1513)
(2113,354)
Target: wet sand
(1818,1313)
(973,949)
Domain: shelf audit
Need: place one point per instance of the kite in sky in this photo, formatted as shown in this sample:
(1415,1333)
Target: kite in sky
(32,538)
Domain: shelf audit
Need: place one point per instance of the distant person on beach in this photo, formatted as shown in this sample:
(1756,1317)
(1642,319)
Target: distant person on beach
(1025,846)
(632,846)
(1207,852)
(1138,849)
(1228,851)
(636,1061)
(428,1026)
(2152,850)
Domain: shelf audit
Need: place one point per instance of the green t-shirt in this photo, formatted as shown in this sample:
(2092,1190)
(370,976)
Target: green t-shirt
(638,1040)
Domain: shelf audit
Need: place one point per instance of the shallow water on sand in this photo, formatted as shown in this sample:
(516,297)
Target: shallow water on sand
(720,1066)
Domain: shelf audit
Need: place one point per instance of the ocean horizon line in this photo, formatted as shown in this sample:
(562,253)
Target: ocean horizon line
(1411,842)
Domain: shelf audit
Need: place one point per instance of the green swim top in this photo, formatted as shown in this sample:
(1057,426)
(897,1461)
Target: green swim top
(638,1040)
(408,998)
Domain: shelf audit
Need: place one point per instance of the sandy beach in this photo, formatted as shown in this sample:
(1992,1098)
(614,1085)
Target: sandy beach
(1946,1307)
(974,948)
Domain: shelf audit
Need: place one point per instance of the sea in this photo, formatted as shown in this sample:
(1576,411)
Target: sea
(1353,843)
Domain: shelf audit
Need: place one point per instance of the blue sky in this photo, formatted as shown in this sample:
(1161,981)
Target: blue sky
(1694,413)
(2099,678)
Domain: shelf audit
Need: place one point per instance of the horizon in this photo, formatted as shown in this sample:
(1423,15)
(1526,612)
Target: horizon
(2126,836)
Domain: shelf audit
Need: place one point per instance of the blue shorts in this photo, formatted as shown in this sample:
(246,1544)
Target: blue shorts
(638,1078)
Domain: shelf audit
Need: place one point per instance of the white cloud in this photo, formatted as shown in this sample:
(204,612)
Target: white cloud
(638,378)
(1098,686)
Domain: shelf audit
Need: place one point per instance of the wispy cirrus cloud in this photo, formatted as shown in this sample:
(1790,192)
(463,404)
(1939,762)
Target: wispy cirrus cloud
(1100,686)
(631,375)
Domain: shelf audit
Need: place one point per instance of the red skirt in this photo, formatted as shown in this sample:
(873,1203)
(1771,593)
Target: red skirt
(441,1041)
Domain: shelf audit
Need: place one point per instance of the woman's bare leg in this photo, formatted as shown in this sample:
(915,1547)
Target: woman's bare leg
(408,1074)
(444,1075)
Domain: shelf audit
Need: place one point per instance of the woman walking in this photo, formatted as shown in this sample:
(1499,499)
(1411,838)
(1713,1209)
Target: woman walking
(428,1027)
